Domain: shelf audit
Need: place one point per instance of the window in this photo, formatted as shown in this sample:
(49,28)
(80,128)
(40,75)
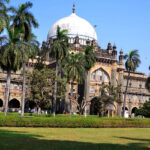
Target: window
(92,90)
(20,87)
(106,79)
(3,85)
(16,87)
(74,90)
(140,86)
(99,74)
(93,76)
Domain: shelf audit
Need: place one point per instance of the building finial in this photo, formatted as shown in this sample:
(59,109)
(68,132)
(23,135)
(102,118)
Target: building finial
(73,10)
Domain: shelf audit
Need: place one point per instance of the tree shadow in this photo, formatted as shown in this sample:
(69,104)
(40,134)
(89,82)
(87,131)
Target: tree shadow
(135,139)
(17,140)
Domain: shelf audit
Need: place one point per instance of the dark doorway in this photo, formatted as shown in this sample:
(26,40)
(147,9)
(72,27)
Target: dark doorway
(94,107)
(30,104)
(134,110)
(125,108)
(1,103)
(14,103)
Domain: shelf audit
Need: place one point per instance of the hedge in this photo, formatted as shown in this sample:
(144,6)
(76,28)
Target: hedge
(74,122)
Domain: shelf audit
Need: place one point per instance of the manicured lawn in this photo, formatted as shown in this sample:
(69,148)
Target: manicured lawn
(74,139)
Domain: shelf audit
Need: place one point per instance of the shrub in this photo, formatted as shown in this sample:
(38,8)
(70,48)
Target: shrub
(75,122)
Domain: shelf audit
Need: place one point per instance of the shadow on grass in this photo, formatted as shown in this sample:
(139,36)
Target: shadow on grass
(13,140)
(135,139)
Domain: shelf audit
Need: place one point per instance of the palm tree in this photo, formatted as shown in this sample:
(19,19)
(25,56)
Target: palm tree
(2,13)
(58,51)
(74,69)
(10,56)
(131,64)
(24,20)
(29,50)
(90,60)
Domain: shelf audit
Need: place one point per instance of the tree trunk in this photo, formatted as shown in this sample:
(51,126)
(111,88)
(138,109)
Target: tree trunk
(55,91)
(125,94)
(23,89)
(66,108)
(86,90)
(7,90)
(70,100)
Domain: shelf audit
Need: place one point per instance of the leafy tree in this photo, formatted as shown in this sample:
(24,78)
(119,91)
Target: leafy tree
(131,64)
(74,69)
(90,60)
(24,20)
(42,84)
(58,51)
(145,110)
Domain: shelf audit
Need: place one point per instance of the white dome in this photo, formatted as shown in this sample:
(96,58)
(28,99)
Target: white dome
(76,26)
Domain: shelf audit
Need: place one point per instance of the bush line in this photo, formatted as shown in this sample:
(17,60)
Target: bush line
(75,122)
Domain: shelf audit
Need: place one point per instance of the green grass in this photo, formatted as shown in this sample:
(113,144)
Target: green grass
(74,139)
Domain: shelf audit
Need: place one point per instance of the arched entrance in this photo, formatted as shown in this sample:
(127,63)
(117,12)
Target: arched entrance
(133,112)
(14,103)
(1,103)
(94,107)
(29,105)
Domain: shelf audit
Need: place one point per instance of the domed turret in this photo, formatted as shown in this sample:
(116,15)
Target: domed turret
(76,26)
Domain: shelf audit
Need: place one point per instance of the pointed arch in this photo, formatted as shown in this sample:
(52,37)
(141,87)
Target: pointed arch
(100,75)
(133,110)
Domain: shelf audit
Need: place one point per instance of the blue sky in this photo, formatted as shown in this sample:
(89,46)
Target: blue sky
(123,22)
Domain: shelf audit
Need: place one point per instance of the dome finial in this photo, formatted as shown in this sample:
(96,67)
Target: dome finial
(73,10)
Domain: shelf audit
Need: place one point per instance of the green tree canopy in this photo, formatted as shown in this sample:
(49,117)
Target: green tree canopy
(145,110)
(24,19)
(41,87)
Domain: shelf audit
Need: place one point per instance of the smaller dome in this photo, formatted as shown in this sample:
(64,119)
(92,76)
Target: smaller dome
(76,26)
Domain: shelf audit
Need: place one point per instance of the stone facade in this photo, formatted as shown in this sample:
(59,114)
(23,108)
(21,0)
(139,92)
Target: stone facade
(110,70)
(107,70)
(15,91)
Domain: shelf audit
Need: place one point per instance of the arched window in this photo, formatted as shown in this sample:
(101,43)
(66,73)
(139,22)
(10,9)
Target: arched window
(100,75)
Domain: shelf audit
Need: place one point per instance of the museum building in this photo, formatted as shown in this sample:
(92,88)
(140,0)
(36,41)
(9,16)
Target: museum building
(108,69)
